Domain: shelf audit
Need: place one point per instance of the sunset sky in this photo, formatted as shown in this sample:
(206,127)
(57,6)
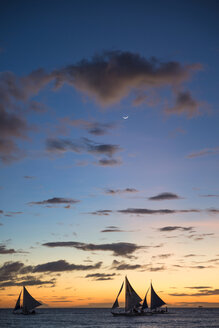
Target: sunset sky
(109,150)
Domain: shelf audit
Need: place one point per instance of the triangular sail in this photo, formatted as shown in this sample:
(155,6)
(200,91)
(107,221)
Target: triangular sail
(116,303)
(132,299)
(18,303)
(145,304)
(156,301)
(29,303)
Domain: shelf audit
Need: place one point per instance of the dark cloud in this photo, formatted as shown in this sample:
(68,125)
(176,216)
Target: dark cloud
(15,273)
(124,266)
(56,200)
(101,212)
(107,78)
(63,145)
(155,269)
(101,276)
(159,211)
(164,196)
(206,292)
(62,265)
(198,237)
(191,255)
(118,249)
(95,128)
(174,228)
(12,213)
(109,162)
(101,149)
(209,195)
(199,287)
(163,256)
(9,270)
(113,75)
(83,145)
(28,282)
(204,152)
(4,250)
(146,211)
(185,103)
(120,191)
(15,93)
(59,146)
(213,210)
(112,230)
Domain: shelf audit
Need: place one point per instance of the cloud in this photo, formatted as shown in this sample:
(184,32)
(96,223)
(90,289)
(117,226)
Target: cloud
(120,191)
(159,211)
(213,210)
(107,78)
(110,77)
(4,250)
(174,228)
(112,230)
(10,269)
(199,287)
(164,196)
(150,267)
(28,177)
(185,103)
(163,256)
(62,265)
(83,145)
(56,200)
(101,276)
(118,249)
(101,149)
(209,195)
(109,162)
(101,212)
(28,282)
(12,213)
(204,152)
(207,292)
(198,237)
(146,211)
(15,93)
(14,273)
(95,128)
(124,266)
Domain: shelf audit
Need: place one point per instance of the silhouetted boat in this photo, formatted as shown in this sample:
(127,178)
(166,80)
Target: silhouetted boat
(132,303)
(27,304)
(156,302)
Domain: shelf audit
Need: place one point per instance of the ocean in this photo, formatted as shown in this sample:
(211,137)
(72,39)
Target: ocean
(94,318)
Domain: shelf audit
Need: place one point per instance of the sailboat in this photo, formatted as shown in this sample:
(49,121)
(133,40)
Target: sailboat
(132,302)
(156,301)
(27,305)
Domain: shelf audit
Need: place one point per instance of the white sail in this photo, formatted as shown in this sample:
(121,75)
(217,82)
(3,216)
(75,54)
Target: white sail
(29,303)
(156,301)
(132,300)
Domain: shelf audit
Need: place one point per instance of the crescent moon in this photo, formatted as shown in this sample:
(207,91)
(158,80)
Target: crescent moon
(125,117)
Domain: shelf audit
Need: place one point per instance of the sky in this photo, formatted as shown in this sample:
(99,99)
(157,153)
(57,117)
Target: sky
(109,150)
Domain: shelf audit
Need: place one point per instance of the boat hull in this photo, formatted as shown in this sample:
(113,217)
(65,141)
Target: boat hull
(126,314)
